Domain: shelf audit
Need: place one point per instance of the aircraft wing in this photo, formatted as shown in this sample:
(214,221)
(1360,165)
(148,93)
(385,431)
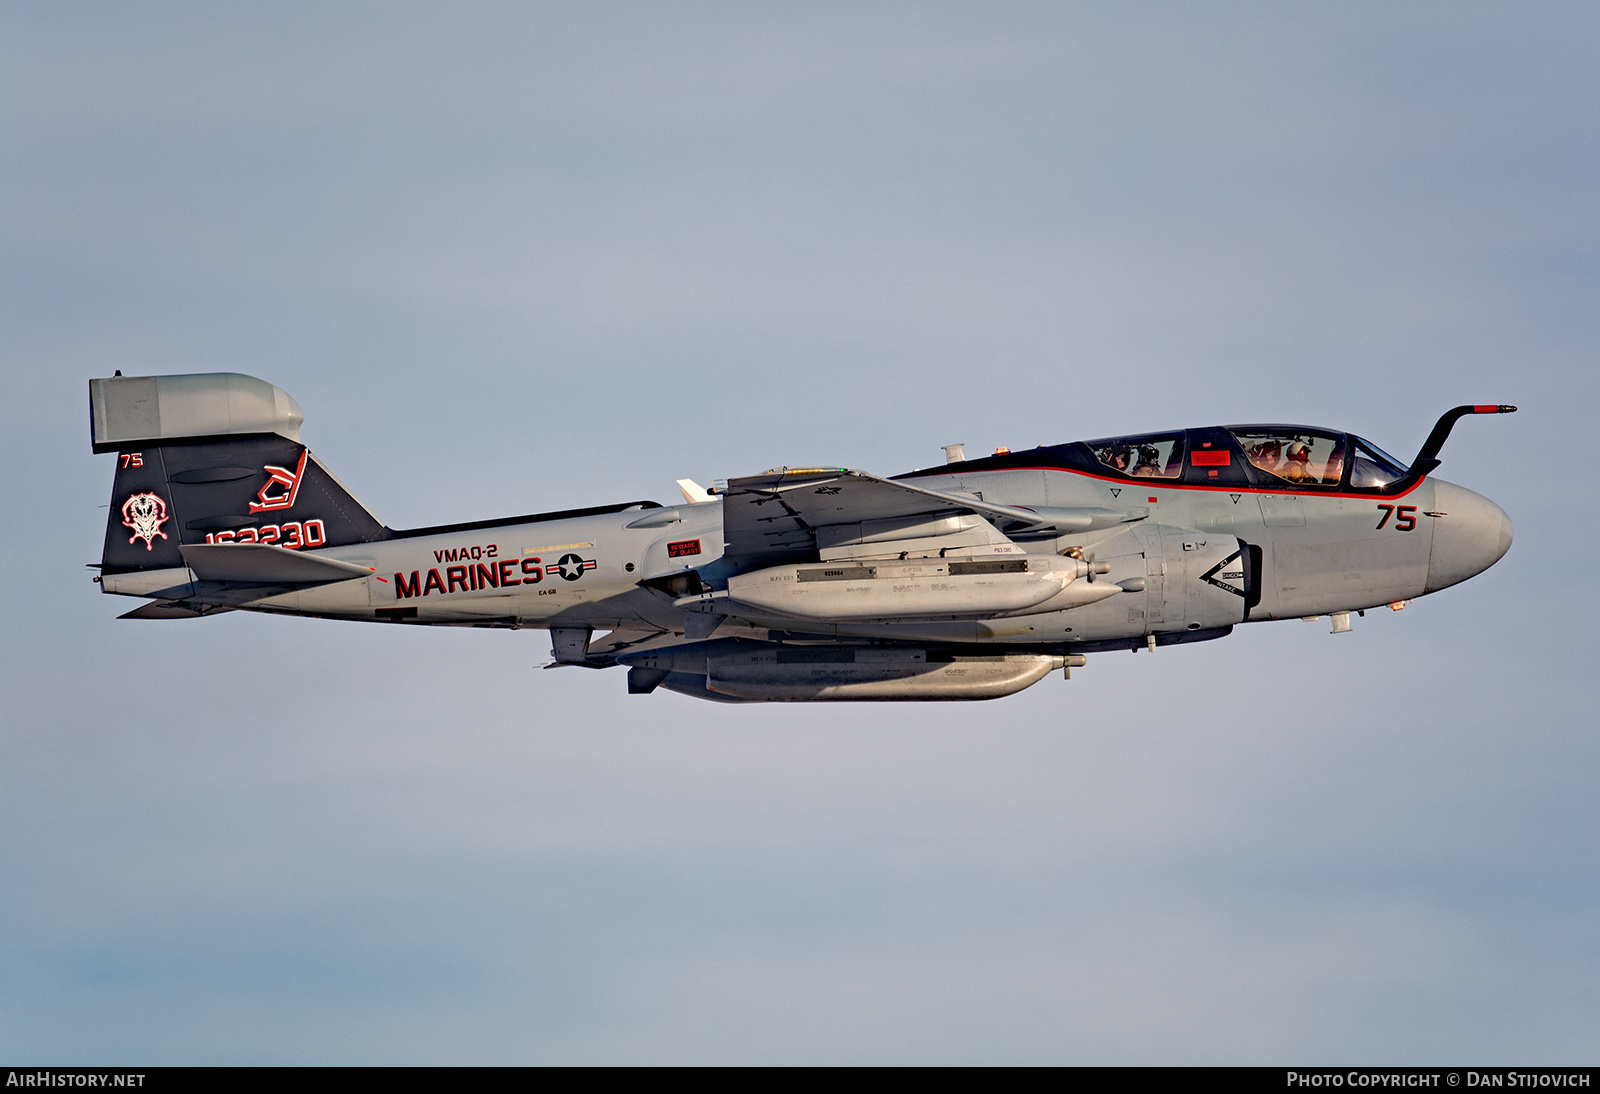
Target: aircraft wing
(773,517)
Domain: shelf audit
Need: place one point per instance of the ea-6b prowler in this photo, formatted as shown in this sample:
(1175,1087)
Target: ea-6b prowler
(969,580)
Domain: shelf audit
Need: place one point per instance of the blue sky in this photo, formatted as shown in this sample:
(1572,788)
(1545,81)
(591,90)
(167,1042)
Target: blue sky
(512,258)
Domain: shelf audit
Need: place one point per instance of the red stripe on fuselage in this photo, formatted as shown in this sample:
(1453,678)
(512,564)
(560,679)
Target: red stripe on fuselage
(1166,484)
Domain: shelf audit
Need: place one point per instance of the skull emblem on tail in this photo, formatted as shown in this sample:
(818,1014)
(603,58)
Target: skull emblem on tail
(145,514)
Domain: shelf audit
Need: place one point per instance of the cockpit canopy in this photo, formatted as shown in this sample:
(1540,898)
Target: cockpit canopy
(1299,457)
(1285,457)
(1154,455)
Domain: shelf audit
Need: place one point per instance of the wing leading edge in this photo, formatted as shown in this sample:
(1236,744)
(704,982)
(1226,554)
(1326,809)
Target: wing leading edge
(788,515)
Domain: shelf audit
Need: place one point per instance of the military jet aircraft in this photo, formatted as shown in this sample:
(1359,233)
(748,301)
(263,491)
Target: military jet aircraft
(972,579)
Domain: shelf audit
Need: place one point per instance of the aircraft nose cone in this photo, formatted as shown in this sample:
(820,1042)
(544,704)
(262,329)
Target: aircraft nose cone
(1472,534)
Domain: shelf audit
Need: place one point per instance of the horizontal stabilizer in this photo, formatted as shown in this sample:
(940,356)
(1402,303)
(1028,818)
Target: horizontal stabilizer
(168,609)
(265,564)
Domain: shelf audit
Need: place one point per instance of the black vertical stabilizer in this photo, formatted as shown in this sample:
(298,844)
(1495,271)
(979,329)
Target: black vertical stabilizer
(260,489)
(213,459)
(141,533)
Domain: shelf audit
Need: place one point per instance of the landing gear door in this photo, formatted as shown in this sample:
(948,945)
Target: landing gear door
(1155,581)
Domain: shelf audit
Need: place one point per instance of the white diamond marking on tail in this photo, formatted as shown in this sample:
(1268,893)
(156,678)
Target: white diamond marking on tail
(145,514)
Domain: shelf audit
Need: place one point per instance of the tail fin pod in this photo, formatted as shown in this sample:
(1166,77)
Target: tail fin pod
(133,411)
(210,458)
